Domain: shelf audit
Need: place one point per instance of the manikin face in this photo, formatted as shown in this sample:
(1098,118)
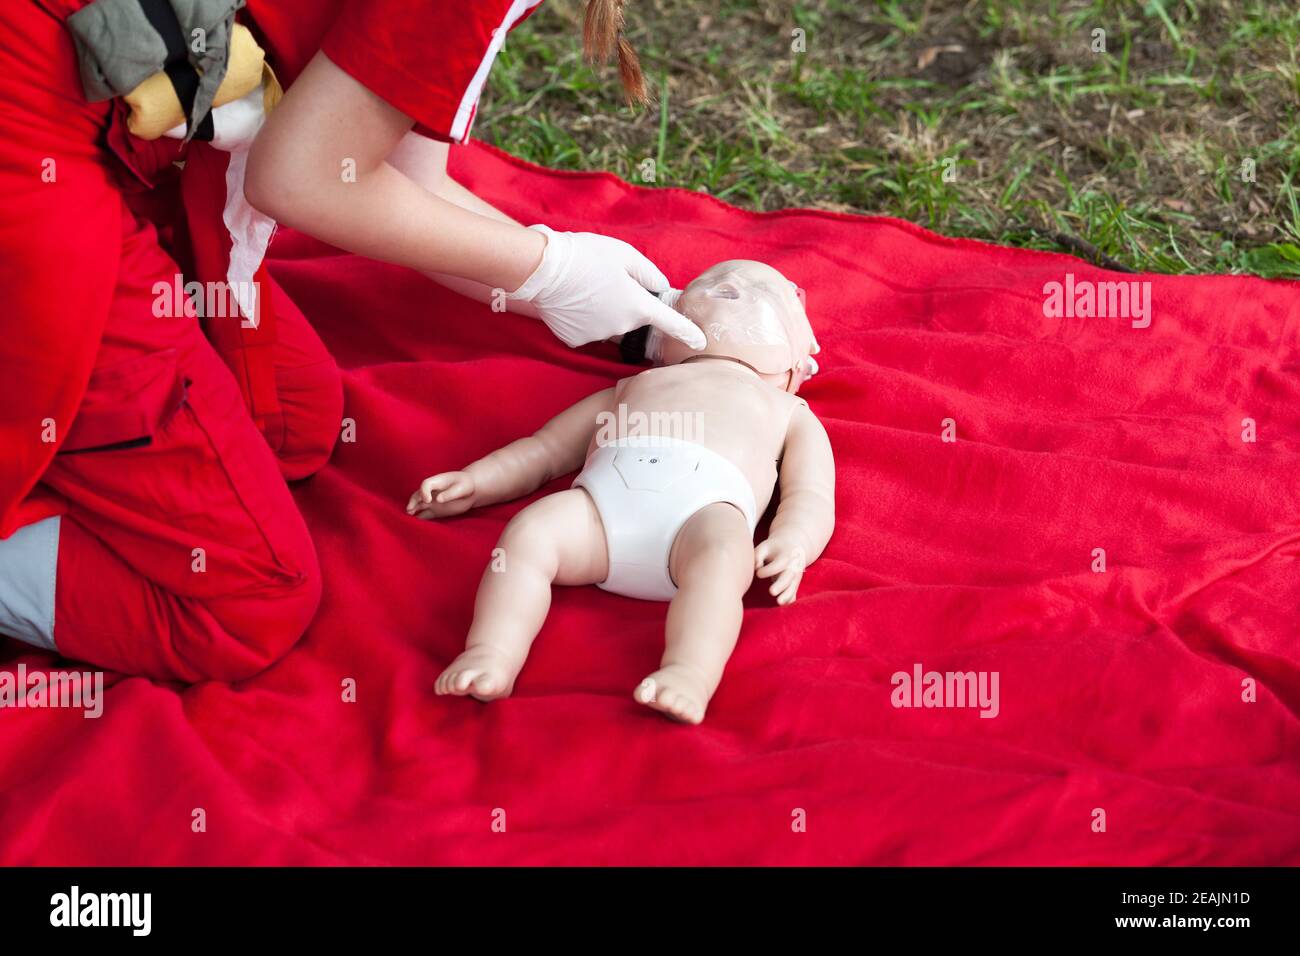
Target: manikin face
(749,312)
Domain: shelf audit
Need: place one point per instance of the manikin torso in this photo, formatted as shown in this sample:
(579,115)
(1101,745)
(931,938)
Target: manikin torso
(715,402)
(735,397)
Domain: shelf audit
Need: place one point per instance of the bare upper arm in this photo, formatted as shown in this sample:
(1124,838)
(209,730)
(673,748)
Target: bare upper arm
(326,119)
(807,461)
(424,161)
(567,435)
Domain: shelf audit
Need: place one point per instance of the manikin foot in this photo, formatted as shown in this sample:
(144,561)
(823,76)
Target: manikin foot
(483,673)
(675,691)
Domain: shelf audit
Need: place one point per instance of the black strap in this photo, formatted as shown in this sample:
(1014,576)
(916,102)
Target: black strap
(163,19)
(185,81)
(184,77)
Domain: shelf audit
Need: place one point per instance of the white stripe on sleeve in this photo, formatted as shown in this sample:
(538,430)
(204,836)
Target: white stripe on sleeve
(460,125)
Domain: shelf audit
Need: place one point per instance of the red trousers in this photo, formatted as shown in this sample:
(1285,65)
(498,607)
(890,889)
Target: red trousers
(181,552)
(185,557)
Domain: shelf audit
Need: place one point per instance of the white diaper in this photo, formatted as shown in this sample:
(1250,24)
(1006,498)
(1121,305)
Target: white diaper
(645,488)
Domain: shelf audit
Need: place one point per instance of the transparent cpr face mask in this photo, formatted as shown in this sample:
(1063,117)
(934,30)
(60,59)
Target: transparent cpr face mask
(748,312)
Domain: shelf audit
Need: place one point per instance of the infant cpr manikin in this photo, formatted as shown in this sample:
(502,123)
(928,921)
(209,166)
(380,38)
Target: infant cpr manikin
(678,462)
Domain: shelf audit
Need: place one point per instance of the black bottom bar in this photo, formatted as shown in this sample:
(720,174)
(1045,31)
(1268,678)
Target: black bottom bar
(209,905)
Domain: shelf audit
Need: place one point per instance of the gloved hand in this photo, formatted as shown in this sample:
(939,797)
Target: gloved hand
(590,287)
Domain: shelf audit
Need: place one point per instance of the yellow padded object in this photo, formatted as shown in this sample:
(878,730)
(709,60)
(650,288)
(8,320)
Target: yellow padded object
(155,108)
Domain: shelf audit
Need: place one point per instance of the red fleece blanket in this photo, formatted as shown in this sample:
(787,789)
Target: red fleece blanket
(1112,532)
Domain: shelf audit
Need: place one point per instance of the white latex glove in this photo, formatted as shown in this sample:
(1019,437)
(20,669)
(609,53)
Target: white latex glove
(590,287)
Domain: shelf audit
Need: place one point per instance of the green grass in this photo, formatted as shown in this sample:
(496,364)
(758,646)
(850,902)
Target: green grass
(1131,157)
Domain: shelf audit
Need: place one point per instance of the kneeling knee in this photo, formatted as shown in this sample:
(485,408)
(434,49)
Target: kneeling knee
(312,406)
(263,627)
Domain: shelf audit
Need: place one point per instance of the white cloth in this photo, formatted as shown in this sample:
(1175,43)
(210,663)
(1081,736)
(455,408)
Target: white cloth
(234,126)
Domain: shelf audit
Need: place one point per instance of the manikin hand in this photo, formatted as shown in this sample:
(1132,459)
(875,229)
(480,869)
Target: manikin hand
(442,496)
(785,559)
(590,287)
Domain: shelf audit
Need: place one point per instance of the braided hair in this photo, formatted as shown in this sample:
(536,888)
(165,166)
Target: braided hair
(602,36)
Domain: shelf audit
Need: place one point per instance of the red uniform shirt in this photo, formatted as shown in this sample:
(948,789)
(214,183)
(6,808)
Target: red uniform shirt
(428,58)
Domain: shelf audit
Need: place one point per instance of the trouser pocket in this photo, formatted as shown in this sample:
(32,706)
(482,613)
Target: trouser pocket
(126,403)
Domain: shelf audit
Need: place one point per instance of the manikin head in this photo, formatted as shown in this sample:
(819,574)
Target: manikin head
(749,313)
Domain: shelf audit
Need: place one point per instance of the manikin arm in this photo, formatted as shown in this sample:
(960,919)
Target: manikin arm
(523,466)
(805,517)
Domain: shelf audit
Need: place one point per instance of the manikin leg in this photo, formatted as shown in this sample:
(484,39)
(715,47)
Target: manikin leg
(556,540)
(712,563)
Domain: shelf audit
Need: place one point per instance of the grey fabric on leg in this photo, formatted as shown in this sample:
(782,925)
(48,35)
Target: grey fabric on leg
(119,45)
(29,560)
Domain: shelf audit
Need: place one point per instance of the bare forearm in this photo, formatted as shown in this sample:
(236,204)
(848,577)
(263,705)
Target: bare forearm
(386,216)
(557,448)
(320,164)
(518,469)
(424,162)
(806,516)
(454,192)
